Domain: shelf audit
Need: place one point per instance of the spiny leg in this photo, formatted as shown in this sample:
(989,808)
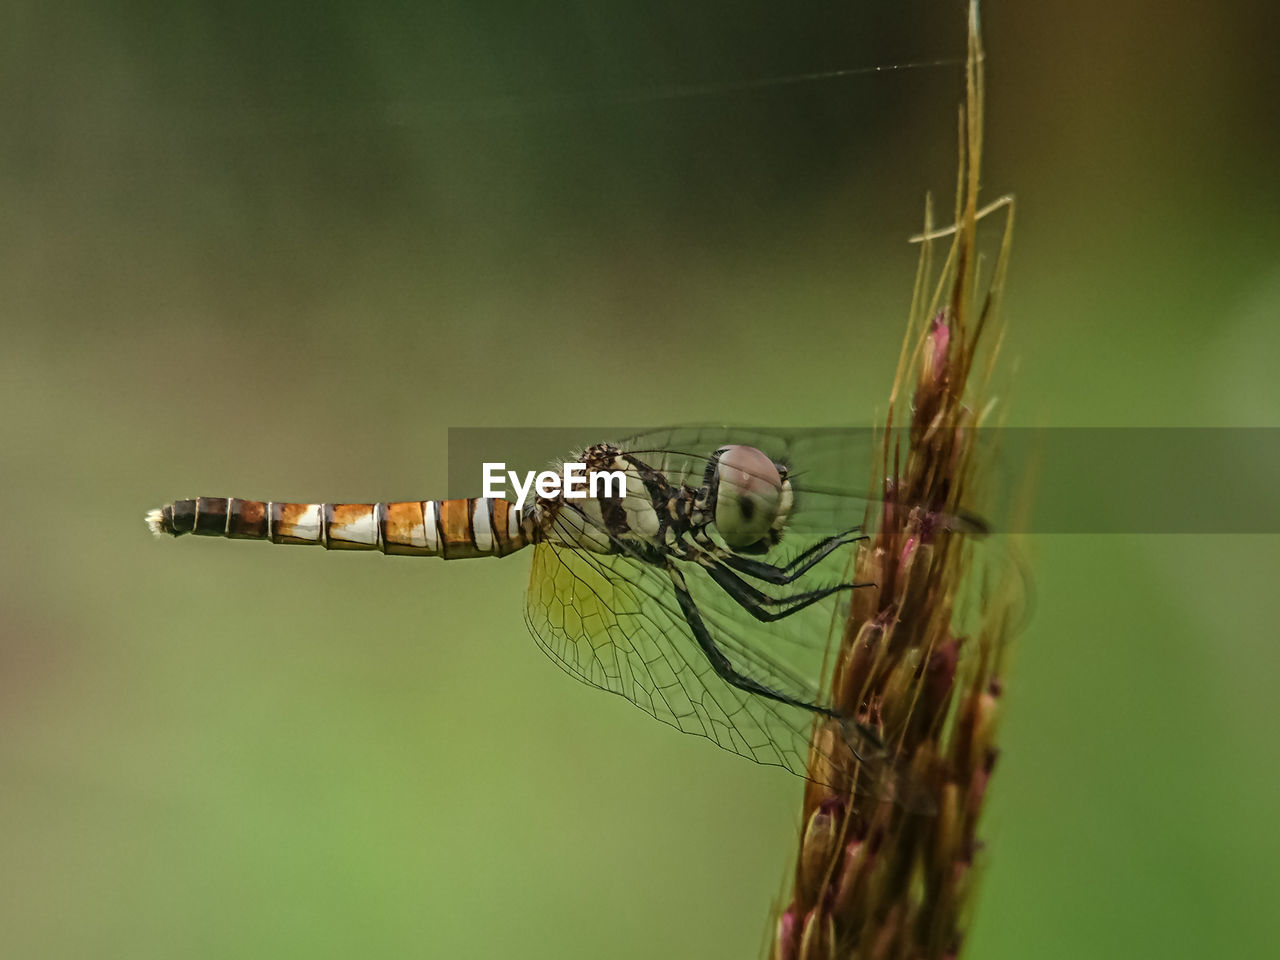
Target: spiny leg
(757,603)
(720,663)
(851,729)
(799,566)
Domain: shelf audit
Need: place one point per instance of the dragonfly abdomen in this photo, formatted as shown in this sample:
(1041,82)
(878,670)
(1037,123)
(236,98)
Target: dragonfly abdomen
(452,529)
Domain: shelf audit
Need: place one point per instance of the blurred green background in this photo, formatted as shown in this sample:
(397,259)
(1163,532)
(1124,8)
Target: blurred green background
(276,250)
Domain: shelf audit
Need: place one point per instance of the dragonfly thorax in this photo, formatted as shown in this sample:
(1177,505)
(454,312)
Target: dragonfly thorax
(745,498)
(620,518)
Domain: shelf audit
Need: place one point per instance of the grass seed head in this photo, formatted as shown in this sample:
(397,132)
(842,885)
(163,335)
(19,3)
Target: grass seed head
(885,867)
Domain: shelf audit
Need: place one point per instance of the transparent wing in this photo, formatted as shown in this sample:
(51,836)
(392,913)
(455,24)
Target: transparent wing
(613,621)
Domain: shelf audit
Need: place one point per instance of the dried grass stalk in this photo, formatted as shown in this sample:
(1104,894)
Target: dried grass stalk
(889,873)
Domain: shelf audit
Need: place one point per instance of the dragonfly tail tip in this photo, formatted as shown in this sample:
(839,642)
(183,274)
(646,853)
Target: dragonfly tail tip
(155,520)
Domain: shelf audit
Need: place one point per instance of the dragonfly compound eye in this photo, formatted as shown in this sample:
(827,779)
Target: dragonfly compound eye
(750,495)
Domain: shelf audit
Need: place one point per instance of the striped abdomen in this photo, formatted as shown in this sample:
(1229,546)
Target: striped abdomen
(478,527)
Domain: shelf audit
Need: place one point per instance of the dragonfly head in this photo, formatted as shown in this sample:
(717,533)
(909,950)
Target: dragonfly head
(751,497)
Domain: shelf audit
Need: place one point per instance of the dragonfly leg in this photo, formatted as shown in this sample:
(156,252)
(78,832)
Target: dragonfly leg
(757,604)
(862,740)
(720,663)
(798,567)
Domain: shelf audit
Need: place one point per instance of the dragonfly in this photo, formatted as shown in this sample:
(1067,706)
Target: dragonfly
(704,590)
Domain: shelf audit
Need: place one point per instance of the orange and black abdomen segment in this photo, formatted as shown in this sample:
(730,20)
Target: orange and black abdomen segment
(453,529)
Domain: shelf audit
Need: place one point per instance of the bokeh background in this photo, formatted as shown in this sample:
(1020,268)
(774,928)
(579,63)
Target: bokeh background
(277,250)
